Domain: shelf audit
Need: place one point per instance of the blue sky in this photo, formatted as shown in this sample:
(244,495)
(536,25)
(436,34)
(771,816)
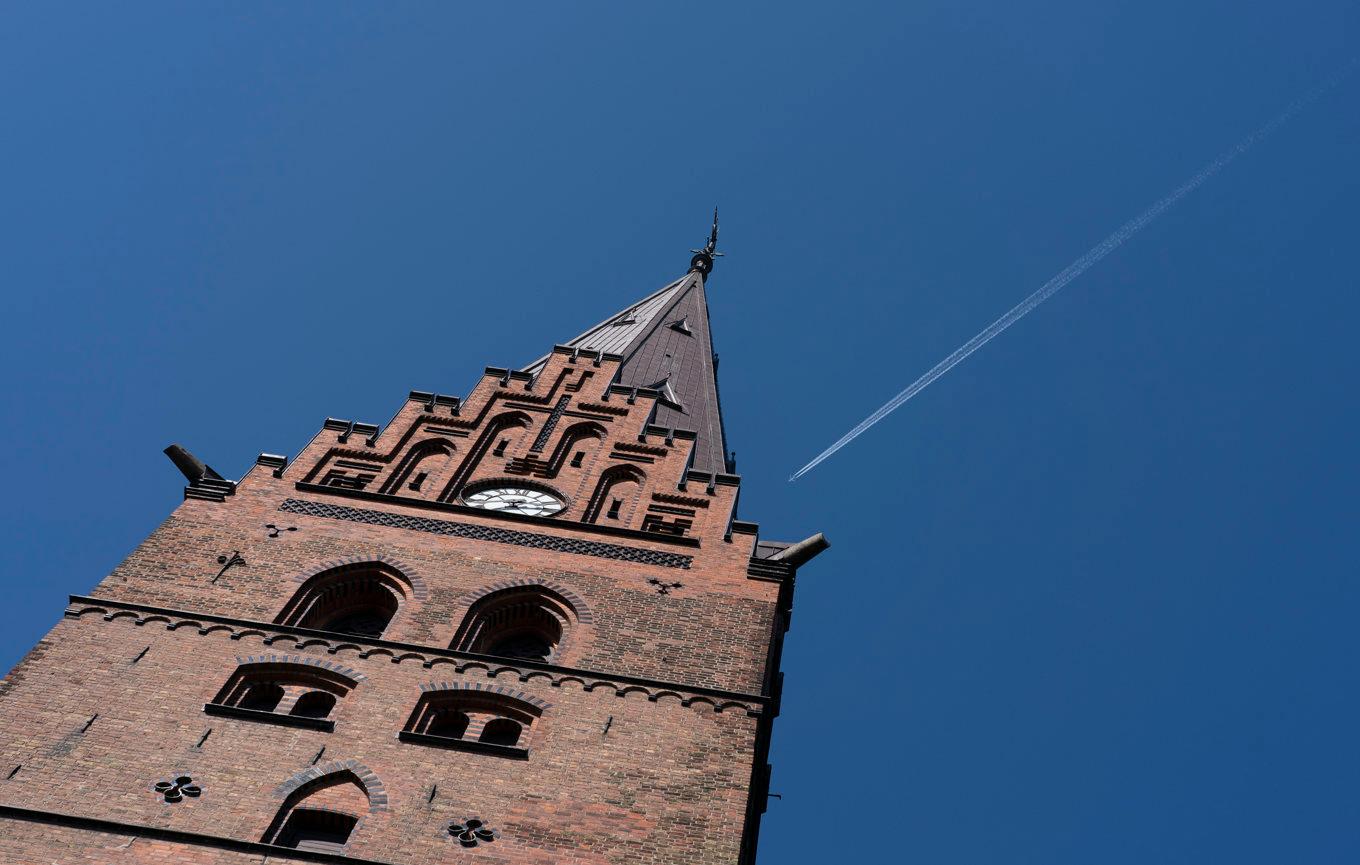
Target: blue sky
(1092,596)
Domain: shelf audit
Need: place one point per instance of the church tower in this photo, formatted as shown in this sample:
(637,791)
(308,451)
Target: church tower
(521,626)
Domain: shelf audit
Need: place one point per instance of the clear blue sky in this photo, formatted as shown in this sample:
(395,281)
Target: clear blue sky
(1092,597)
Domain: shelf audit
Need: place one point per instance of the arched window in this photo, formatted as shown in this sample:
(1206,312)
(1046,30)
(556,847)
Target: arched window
(359,600)
(316,830)
(321,813)
(313,704)
(615,497)
(261,697)
(448,722)
(501,731)
(453,716)
(528,622)
(284,691)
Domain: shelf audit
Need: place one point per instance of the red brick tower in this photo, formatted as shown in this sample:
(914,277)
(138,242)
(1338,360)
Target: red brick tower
(521,627)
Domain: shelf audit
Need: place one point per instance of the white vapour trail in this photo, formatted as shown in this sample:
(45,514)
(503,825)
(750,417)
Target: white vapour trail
(1072,271)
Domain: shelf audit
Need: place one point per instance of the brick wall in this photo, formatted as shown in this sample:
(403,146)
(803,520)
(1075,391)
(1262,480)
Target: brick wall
(650,715)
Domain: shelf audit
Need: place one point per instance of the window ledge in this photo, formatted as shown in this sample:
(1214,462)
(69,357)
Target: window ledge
(512,751)
(324,724)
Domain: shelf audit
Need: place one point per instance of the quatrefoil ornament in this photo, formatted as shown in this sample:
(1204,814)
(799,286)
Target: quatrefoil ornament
(177,788)
(472,832)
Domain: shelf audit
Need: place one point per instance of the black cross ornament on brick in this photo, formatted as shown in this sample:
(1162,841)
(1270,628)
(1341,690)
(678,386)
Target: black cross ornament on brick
(275,530)
(663,588)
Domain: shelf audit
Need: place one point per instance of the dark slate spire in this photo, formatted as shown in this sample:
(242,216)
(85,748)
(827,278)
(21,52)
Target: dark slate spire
(667,346)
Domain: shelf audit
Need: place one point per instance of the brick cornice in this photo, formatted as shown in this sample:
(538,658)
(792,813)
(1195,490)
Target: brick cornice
(428,656)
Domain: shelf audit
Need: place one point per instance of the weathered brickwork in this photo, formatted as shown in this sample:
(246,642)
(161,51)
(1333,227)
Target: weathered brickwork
(337,673)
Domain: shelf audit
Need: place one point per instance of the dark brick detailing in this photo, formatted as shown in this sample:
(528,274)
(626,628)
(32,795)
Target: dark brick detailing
(377,794)
(475,687)
(583,614)
(486,533)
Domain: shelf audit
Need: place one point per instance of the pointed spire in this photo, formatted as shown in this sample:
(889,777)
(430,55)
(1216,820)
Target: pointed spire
(676,360)
(702,262)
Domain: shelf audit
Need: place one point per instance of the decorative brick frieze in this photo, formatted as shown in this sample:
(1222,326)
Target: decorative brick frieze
(487,533)
(427,656)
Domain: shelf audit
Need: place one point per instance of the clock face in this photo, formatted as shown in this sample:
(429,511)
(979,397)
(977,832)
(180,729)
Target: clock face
(509,500)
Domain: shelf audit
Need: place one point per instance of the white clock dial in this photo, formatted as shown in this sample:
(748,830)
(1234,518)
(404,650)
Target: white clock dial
(509,500)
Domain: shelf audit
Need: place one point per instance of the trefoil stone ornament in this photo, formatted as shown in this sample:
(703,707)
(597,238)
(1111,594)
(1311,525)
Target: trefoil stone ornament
(473,831)
(274,530)
(177,788)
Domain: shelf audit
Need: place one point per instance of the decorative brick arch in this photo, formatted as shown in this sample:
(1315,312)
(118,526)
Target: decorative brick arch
(577,603)
(488,690)
(302,661)
(371,784)
(419,590)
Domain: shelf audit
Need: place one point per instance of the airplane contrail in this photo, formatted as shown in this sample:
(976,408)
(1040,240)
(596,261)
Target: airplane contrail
(1075,269)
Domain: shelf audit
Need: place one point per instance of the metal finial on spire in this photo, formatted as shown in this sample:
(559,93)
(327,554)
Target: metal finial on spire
(703,258)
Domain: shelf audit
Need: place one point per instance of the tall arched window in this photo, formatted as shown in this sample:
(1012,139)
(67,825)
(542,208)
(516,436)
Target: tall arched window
(528,622)
(359,599)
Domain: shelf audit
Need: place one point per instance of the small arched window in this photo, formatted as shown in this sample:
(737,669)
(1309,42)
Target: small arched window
(527,622)
(321,814)
(316,830)
(501,731)
(360,600)
(261,697)
(474,720)
(288,692)
(448,722)
(313,704)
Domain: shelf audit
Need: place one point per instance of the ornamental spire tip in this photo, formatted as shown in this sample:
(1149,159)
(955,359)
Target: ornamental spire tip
(703,258)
